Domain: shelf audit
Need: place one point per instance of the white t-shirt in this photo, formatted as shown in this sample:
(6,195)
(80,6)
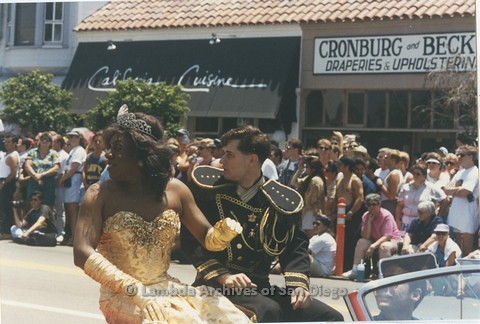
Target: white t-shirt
(77,154)
(269,169)
(442,180)
(62,158)
(450,247)
(4,168)
(463,215)
(324,249)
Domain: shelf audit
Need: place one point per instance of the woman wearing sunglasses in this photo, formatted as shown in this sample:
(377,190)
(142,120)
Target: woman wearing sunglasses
(413,193)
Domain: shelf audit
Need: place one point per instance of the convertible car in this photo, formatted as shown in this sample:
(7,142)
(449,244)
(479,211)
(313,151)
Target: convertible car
(414,288)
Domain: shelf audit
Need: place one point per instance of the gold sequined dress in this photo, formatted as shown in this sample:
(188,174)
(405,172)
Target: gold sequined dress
(142,250)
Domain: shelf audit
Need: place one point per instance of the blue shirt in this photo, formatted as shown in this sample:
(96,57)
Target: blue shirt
(420,231)
(368,186)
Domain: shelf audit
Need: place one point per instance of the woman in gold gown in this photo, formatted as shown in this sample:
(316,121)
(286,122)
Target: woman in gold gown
(127,226)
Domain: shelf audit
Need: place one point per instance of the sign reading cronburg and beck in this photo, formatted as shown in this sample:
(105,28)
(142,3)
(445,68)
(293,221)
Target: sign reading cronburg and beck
(395,54)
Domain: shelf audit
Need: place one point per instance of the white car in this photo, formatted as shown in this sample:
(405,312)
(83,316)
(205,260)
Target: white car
(413,288)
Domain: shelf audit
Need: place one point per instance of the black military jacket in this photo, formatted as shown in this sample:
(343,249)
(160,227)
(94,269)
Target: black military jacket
(270,222)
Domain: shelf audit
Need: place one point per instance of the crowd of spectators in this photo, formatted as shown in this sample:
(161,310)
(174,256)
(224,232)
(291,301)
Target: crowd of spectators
(42,181)
(395,203)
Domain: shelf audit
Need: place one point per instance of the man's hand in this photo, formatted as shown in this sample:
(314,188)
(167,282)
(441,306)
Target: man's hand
(422,248)
(239,280)
(370,251)
(300,298)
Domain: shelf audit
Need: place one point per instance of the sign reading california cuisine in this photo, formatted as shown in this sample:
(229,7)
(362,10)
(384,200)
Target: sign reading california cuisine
(236,78)
(395,54)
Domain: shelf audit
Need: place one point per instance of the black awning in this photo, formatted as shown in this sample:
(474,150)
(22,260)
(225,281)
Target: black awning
(248,78)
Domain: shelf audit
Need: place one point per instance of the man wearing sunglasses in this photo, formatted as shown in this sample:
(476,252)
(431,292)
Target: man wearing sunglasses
(379,232)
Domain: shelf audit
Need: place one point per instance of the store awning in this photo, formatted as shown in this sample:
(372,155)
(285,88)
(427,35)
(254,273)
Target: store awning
(249,78)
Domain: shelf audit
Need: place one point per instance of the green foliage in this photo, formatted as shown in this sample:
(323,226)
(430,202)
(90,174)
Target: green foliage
(167,103)
(36,104)
(454,100)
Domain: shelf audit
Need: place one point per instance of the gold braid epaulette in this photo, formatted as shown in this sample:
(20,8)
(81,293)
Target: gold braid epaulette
(284,199)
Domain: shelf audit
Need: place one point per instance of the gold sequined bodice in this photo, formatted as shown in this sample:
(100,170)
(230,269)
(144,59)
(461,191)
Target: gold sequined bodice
(137,247)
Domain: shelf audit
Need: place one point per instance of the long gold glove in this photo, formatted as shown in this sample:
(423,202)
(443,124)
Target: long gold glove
(103,271)
(219,236)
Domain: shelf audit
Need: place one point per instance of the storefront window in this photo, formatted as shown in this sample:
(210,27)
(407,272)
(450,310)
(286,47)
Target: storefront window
(376,109)
(420,111)
(206,124)
(228,124)
(398,109)
(356,108)
(334,107)
(442,114)
(314,109)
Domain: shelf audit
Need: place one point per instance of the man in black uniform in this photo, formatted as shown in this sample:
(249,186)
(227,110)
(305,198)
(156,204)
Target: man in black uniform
(269,214)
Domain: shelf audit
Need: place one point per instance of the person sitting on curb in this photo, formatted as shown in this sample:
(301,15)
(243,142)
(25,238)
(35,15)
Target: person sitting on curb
(322,248)
(378,226)
(445,249)
(420,234)
(37,228)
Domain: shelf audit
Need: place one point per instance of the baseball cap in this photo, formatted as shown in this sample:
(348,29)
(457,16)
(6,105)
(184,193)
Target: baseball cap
(442,228)
(345,160)
(322,219)
(74,133)
(183,131)
(442,150)
(217,142)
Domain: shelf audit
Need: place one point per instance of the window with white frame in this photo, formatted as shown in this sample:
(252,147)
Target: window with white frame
(53,23)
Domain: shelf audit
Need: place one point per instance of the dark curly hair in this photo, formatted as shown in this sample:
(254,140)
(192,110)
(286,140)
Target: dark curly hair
(317,171)
(149,150)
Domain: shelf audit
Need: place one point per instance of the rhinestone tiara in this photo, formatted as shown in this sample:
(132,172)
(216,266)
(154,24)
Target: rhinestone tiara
(128,120)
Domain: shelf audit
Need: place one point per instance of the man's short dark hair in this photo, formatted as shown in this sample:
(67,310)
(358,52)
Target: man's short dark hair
(251,141)
(359,162)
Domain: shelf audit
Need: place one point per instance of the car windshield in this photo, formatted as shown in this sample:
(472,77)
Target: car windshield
(437,297)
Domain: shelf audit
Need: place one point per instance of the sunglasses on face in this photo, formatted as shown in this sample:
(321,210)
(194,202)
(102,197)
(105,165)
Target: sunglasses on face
(417,174)
(450,163)
(461,155)
(371,204)
(441,233)
(323,148)
(432,163)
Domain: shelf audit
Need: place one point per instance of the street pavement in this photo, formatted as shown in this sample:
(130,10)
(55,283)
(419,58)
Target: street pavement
(42,285)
